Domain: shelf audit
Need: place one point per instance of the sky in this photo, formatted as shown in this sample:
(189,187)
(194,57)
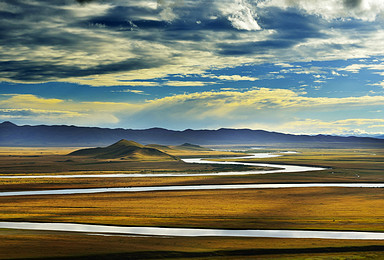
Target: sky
(291,66)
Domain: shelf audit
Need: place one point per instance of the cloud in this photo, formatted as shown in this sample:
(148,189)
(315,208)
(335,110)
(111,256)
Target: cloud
(268,107)
(85,1)
(188,83)
(367,10)
(355,68)
(232,77)
(273,109)
(359,121)
(109,80)
(381,84)
(284,65)
(100,42)
(37,113)
(262,98)
(376,126)
(308,70)
(136,91)
(31,108)
(316,126)
(241,14)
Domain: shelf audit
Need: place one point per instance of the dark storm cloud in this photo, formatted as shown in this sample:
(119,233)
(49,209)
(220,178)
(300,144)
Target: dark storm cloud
(352,3)
(47,32)
(44,71)
(85,1)
(45,40)
(37,31)
(261,47)
(291,24)
(191,19)
(23,27)
(128,17)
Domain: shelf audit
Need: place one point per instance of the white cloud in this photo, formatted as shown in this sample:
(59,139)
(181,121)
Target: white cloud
(284,65)
(366,10)
(309,70)
(131,91)
(241,14)
(89,10)
(31,108)
(273,109)
(231,77)
(316,126)
(355,68)
(188,83)
(381,84)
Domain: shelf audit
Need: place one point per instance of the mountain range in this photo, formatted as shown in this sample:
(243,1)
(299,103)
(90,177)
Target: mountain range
(64,135)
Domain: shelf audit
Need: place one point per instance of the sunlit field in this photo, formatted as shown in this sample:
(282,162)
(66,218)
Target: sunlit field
(346,209)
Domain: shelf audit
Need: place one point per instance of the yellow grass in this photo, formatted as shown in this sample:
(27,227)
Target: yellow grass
(304,208)
(295,208)
(37,244)
(36,150)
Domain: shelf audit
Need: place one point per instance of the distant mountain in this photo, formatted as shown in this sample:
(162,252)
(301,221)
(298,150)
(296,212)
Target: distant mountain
(124,149)
(63,135)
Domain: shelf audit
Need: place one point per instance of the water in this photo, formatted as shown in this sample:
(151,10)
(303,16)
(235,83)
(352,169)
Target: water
(157,231)
(278,169)
(192,232)
(192,187)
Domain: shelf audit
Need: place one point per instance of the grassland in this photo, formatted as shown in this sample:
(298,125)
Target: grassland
(304,208)
(61,245)
(36,244)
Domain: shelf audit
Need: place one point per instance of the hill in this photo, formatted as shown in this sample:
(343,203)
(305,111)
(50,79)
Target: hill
(191,147)
(124,150)
(63,135)
(160,147)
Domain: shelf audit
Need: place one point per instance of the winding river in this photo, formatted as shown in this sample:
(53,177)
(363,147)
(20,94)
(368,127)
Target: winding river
(192,232)
(277,169)
(160,231)
(190,188)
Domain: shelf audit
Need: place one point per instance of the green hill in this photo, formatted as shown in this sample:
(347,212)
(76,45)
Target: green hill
(124,150)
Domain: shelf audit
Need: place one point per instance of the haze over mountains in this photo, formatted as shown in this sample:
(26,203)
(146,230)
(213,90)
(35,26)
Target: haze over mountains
(63,135)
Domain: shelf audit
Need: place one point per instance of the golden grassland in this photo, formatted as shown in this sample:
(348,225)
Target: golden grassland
(48,160)
(37,244)
(344,165)
(358,160)
(33,151)
(293,208)
(296,208)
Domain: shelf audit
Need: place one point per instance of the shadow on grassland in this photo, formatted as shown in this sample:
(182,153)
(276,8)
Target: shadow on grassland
(223,253)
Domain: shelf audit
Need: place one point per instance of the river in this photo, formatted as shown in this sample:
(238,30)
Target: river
(280,169)
(159,231)
(192,232)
